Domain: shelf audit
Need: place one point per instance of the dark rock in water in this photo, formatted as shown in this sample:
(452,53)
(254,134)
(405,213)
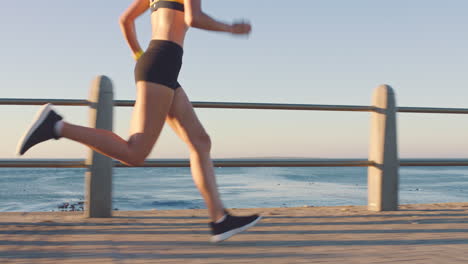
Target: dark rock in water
(71,207)
(63,206)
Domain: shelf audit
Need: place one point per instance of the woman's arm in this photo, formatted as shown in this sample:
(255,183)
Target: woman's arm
(195,17)
(127,25)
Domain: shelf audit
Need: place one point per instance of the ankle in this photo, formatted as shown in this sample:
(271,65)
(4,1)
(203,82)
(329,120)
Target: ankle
(218,216)
(221,219)
(58,128)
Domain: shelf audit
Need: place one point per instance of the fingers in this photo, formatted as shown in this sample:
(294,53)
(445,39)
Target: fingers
(241,27)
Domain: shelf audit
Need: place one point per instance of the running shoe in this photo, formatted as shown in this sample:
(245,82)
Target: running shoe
(42,129)
(232,225)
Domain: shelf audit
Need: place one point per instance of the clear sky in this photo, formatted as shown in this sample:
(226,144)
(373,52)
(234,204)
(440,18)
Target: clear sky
(308,52)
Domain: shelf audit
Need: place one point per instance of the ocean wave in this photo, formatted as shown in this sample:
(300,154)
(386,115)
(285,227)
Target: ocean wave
(173,188)
(434,171)
(177,204)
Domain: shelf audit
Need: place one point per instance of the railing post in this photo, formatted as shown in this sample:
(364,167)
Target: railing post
(99,173)
(383,176)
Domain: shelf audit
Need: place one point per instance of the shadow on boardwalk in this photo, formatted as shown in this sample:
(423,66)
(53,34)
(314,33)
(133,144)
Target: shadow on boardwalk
(432,233)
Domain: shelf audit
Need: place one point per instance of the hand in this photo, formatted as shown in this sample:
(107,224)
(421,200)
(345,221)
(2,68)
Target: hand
(241,28)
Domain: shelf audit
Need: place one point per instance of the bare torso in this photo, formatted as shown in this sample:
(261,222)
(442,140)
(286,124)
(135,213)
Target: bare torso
(168,24)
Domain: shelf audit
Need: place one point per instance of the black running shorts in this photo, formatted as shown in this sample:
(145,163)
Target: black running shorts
(160,64)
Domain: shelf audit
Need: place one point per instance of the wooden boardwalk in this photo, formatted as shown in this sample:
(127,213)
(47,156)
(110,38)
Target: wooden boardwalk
(425,233)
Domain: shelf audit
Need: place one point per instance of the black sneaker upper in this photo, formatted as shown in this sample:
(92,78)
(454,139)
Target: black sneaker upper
(54,118)
(232,222)
(43,132)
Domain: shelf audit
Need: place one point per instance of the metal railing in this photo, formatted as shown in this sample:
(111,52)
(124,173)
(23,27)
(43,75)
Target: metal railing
(81,163)
(383,162)
(78,163)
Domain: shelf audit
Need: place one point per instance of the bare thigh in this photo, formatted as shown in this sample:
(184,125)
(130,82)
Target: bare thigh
(184,121)
(152,105)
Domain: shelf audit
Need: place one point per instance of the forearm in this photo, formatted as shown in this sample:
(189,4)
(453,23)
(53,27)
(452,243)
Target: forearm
(129,32)
(204,21)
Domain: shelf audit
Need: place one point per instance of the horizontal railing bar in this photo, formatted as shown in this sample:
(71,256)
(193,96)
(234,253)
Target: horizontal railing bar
(65,102)
(78,163)
(356,108)
(265,163)
(430,110)
(41,163)
(236,105)
(185,163)
(268,106)
(228,105)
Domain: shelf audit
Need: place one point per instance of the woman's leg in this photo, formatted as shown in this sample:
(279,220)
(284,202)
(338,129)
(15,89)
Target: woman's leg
(151,108)
(184,122)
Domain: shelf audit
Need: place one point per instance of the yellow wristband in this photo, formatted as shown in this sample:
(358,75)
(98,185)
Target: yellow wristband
(137,55)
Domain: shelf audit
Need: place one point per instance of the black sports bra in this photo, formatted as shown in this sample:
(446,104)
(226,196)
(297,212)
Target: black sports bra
(171,4)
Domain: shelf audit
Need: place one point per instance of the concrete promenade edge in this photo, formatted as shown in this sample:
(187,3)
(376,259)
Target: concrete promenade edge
(420,233)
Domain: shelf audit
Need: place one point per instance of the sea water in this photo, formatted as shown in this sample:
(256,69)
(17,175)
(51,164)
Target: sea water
(46,189)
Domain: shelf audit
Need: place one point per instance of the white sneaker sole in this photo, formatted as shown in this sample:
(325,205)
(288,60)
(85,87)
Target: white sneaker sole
(224,236)
(40,116)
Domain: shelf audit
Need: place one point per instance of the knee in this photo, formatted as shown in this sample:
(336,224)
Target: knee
(135,160)
(201,143)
